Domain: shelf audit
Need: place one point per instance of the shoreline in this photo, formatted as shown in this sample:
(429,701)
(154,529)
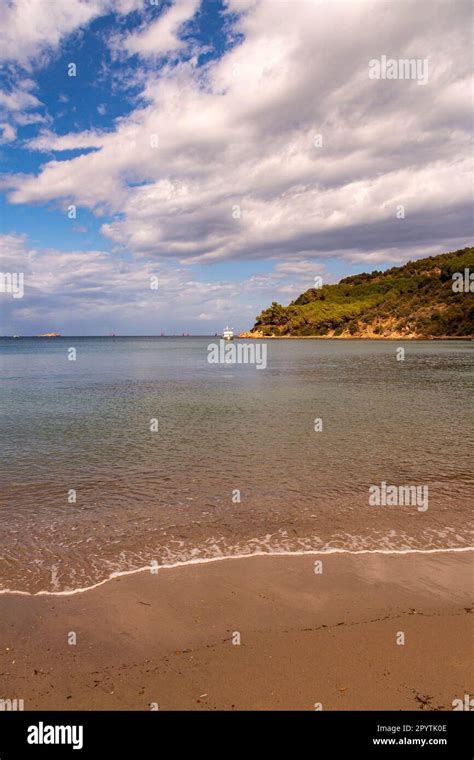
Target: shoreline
(245,336)
(304,637)
(208,560)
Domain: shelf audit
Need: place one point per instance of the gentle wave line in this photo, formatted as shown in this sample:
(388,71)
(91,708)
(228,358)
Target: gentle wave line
(206,560)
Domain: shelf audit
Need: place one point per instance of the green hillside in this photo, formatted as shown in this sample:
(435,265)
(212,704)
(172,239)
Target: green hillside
(414,300)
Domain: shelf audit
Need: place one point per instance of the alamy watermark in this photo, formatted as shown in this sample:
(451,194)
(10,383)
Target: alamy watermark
(403,68)
(12,282)
(49,734)
(463,282)
(225,352)
(384,495)
(463,704)
(11,705)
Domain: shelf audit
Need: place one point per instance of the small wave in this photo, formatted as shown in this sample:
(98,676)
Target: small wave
(207,560)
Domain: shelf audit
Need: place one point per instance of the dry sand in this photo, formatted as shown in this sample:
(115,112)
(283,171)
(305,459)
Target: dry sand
(306,638)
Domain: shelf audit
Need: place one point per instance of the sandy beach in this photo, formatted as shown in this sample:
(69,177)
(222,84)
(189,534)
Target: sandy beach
(170,639)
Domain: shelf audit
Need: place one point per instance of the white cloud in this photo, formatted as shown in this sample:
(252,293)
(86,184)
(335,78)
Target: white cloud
(18,106)
(48,141)
(18,100)
(302,266)
(242,131)
(8,133)
(68,291)
(162,35)
(13,252)
(31,28)
(86,290)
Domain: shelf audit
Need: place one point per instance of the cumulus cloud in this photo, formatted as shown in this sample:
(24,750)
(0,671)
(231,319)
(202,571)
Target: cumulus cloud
(32,28)
(96,292)
(162,35)
(284,146)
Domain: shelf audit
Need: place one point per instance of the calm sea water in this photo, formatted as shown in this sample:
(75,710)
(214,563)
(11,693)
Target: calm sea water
(171,495)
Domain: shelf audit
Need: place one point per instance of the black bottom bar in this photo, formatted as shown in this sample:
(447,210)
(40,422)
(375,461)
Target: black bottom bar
(154,734)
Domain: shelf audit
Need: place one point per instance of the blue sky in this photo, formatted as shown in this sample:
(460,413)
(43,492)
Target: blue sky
(187,141)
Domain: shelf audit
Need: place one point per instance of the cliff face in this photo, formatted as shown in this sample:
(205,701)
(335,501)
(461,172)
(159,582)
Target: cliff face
(432,297)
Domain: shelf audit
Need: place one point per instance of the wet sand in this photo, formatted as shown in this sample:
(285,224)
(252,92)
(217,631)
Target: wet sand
(305,637)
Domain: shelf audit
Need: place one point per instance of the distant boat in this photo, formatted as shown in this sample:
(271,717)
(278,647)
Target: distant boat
(228,334)
(16,336)
(49,335)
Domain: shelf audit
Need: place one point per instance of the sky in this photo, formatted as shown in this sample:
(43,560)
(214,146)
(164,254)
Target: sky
(177,166)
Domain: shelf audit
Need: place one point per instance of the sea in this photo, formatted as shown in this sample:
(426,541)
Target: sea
(141,453)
